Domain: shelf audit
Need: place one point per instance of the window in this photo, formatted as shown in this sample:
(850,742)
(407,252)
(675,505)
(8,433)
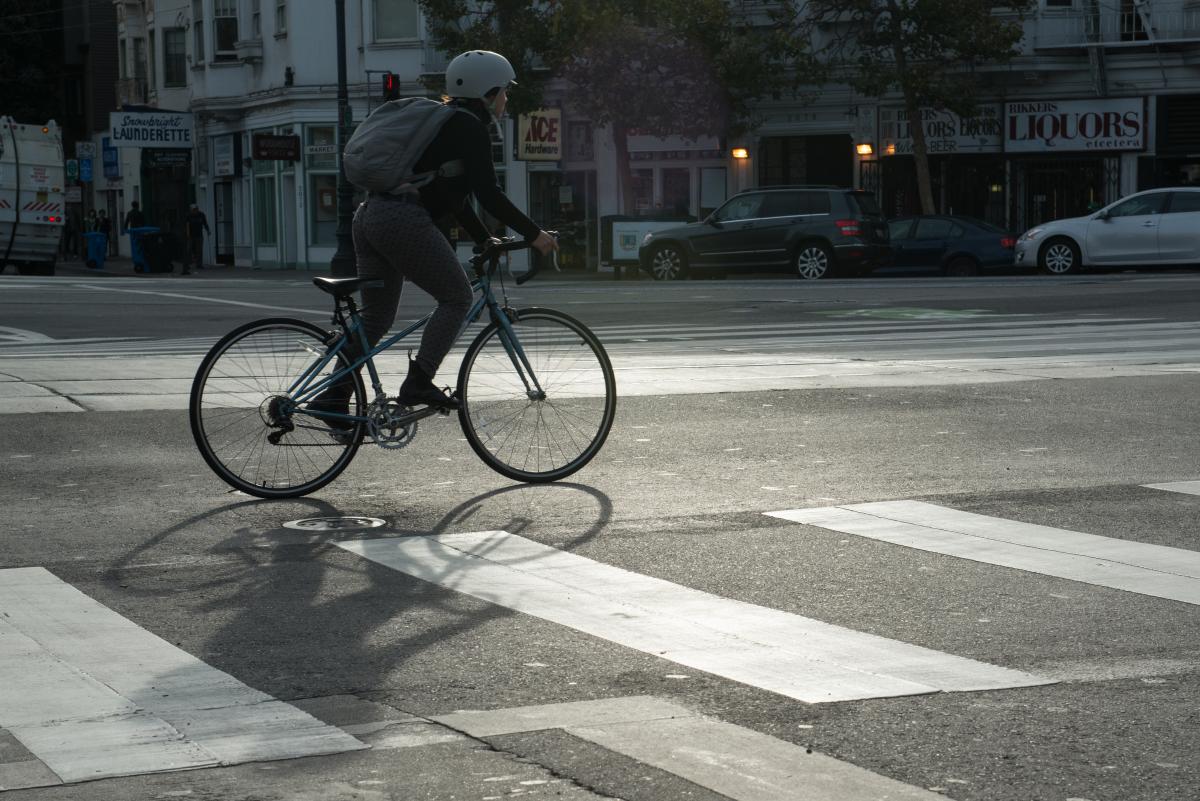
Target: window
(1139,206)
(898,229)
(934,228)
(395,19)
(781,204)
(174,57)
(1185,202)
(643,190)
(255,19)
(225,29)
(280,17)
(198,31)
(677,191)
(139,59)
(814,203)
(1059,3)
(152,64)
(123,66)
(744,207)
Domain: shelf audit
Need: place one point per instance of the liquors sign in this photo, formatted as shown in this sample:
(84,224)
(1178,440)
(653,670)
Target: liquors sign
(945,131)
(1059,126)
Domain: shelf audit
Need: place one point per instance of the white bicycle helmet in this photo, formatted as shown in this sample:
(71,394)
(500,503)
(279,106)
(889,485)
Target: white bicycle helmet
(476,72)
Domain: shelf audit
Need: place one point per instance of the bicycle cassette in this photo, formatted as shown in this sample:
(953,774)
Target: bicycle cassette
(384,424)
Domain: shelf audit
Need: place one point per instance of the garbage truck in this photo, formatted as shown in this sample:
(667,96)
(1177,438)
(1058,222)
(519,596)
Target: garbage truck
(32,200)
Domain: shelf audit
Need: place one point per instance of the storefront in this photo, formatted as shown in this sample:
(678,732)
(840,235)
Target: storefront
(966,165)
(1176,159)
(813,159)
(1069,157)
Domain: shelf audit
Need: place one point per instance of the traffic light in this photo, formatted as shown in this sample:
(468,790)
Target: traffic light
(391,86)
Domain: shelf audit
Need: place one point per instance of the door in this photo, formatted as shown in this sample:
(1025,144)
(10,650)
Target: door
(1179,228)
(728,237)
(927,243)
(1128,232)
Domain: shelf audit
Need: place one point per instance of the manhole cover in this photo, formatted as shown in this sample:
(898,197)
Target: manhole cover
(334,523)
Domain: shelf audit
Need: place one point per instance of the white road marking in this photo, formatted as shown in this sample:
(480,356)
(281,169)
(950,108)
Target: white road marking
(202,298)
(1155,570)
(93,695)
(788,654)
(734,761)
(1186,487)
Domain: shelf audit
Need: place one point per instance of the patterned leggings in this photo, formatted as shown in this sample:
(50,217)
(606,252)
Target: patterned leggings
(394,241)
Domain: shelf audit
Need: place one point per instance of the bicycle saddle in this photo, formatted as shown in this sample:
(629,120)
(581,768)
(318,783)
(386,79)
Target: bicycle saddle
(342,287)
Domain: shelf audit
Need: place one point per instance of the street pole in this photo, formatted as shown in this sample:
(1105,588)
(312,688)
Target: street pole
(343,260)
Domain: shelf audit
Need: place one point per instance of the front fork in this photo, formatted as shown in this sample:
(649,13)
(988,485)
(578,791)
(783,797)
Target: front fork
(504,318)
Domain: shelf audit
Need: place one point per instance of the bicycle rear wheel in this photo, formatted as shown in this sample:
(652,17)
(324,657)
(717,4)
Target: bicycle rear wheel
(537,436)
(246,425)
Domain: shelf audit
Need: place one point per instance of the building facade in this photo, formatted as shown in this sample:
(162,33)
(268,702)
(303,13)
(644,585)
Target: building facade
(1104,100)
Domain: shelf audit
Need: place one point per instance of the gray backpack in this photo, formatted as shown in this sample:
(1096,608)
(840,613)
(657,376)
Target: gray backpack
(381,155)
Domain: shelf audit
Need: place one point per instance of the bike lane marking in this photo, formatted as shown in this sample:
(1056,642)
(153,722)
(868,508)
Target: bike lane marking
(1155,570)
(93,695)
(794,656)
(731,760)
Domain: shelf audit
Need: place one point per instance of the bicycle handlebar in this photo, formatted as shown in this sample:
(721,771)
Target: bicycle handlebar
(492,251)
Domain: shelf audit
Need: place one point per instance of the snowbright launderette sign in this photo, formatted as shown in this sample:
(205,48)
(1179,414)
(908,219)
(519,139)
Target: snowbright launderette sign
(156,129)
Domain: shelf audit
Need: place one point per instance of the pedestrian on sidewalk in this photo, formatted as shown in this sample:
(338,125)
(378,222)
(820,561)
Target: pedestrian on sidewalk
(104,226)
(134,217)
(197,227)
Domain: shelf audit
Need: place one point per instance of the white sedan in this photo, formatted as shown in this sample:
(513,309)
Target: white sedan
(1159,226)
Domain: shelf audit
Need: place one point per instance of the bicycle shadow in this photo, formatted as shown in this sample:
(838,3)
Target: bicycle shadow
(300,616)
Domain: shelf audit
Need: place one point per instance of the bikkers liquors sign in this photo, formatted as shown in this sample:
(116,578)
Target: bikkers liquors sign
(156,129)
(945,131)
(1059,126)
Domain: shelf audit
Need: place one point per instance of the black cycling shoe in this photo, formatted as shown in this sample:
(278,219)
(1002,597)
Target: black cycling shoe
(418,390)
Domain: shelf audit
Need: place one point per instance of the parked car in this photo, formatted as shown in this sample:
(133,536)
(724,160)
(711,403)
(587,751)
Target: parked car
(950,245)
(1158,226)
(812,231)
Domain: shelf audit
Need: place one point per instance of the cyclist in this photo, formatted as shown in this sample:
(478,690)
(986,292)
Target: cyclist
(401,236)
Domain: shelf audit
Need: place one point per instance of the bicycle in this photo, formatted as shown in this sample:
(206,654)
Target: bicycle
(536,392)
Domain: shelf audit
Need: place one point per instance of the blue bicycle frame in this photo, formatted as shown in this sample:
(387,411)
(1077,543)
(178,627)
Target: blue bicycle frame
(305,389)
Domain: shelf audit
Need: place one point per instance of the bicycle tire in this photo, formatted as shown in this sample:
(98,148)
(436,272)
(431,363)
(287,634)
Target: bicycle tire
(581,398)
(231,410)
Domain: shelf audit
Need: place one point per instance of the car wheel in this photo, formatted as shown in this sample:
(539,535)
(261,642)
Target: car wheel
(1059,256)
(813,261)
(962,267)
(668,263)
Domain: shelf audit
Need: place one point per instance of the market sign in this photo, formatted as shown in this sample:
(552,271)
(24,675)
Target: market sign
(945,131)
(275,147)
(1056,126)
(539,135)
(151,129)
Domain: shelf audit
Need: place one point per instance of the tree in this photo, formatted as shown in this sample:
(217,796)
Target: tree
(31,36)
(927,50)
(672,67)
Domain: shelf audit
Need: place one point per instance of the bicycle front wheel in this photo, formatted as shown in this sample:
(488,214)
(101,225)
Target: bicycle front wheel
(546,425)
(245,422)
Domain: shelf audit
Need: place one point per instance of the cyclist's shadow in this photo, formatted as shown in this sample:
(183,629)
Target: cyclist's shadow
(305,617)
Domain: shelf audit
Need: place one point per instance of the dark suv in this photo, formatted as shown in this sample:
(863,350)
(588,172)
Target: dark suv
(813,231)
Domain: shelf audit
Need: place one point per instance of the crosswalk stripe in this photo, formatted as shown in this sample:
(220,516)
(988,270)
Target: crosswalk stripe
(93,695)
(734,761)
(1186,487)
(1154,570)
(785,653)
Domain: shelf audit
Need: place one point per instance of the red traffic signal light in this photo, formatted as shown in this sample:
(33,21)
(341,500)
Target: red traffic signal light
(391,86)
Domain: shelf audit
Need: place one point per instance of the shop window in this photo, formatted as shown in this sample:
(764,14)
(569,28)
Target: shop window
(395,20)
(323,204)
(174,57)
(677,191)
(264,210)
(225,29)
(320,151)
(643,190)
(262,166)
(198,31)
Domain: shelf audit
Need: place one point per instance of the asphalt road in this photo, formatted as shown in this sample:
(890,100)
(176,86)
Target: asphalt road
(1047,402)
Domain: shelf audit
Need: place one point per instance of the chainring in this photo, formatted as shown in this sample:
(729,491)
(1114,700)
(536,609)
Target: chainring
(383,416)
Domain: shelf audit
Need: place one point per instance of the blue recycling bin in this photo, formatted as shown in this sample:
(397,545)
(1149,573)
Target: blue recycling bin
(140,264)
(97,249)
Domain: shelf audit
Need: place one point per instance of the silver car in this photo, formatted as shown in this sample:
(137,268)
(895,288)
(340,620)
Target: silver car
(1159,226)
